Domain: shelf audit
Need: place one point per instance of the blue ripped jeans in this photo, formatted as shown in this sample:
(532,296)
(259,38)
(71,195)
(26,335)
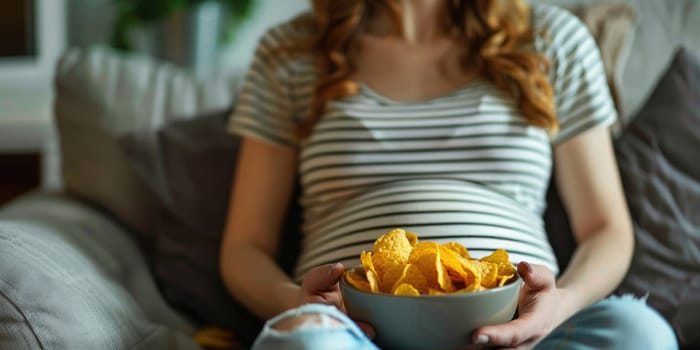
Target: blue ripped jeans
(614,323)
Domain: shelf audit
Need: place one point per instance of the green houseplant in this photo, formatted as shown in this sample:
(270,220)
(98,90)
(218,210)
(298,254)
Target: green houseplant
(132,13)
(188,33)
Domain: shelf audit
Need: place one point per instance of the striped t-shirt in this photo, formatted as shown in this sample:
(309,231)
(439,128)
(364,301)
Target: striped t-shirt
(464,167)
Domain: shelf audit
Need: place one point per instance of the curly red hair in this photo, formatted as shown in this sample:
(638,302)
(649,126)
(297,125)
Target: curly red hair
(497,34)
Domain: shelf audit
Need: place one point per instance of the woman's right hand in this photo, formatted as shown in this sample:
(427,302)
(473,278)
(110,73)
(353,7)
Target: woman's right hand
(320,286)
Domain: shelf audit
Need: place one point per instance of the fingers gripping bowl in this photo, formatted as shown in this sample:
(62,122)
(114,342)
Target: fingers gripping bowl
(428,296)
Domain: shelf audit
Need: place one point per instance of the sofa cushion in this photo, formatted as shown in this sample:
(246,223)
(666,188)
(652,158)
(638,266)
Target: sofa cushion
(658,158)
(612,26)
(101,96)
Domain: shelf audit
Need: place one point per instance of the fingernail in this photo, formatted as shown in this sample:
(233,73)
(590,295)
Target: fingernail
(527,267)
(481,339)
(330,270)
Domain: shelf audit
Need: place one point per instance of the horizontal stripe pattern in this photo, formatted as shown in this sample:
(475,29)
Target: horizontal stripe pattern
(465,166)
(443,210)
(581,93)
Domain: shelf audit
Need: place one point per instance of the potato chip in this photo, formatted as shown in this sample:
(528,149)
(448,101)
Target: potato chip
(503,279)
(358,281)
(384,261)
(429,265)
(401,265)
(392,248)
(412,238)
(473,287)
(451,261)
(373,280)
(489,273)
(432,291)
(506,269)
(500,257)
(366,260)
(391,276)
(406,289)
(457,248)
(414,276)
(370,272)
(422,248)
(472,277)
(396,242)
(434,271)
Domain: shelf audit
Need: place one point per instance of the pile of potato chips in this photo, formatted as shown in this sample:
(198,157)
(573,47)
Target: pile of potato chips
(400,265)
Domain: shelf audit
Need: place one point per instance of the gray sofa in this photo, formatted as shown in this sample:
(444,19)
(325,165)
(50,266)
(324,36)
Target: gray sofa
(73,269)
(79,267)
(72,279)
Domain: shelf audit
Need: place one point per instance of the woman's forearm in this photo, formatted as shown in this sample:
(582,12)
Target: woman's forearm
(593,195)
(256,281)
(597,267)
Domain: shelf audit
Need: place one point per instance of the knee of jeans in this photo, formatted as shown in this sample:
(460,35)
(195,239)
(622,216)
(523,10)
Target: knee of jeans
(632,317)
(294,322)
(312,326)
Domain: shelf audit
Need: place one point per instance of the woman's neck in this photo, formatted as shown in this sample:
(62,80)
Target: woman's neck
(422,21)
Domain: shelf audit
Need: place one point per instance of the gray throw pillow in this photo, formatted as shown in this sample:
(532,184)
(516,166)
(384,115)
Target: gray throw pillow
(658,160)
(198,158)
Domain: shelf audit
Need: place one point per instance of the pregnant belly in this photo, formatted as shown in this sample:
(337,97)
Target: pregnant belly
(437,210)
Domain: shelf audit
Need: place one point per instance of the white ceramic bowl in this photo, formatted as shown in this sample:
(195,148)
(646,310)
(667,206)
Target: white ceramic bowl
(430,321)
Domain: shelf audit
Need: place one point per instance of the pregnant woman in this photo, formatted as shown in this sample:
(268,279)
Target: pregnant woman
(447,118)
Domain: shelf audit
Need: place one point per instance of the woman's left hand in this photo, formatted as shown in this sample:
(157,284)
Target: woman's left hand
(539,312)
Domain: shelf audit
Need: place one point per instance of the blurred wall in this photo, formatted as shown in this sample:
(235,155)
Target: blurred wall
(90,23)
(237,54)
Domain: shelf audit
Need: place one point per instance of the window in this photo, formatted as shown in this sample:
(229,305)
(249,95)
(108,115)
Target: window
(32,35)
(17,29)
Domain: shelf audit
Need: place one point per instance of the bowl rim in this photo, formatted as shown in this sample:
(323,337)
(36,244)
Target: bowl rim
(511,284)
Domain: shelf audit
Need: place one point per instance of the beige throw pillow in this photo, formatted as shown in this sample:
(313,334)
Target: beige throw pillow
(613,27)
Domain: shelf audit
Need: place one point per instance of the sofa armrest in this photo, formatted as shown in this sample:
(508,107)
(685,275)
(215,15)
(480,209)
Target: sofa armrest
(70,278)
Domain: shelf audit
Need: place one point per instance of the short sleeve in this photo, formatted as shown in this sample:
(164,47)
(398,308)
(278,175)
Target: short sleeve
(581,93)
(263,109)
